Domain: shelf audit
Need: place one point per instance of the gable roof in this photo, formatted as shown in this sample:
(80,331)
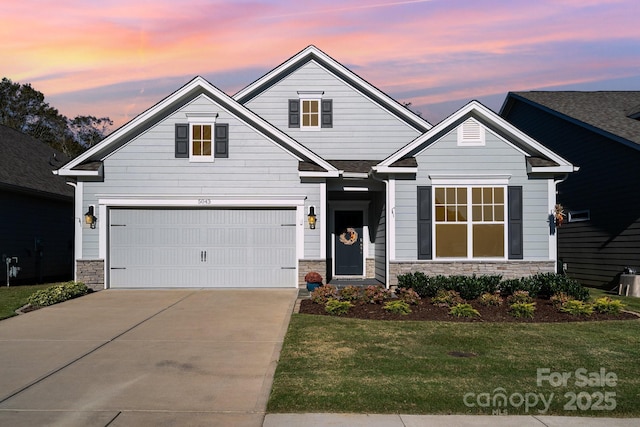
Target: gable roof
(540,158)
(87,164)
(613,114)
(26,164)
(312,53)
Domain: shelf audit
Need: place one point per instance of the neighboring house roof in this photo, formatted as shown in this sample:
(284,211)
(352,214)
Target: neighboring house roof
(539,158)
(89,163)
(312,53)
(26,164)
(614,114)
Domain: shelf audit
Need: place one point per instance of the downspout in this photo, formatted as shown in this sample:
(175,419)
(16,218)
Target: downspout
(77,237)
(388,214)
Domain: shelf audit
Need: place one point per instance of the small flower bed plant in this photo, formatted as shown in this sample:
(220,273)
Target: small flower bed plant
(523,309)
(397,307)
(560,299)
(577,308)
(409,296)
(520,297)
(324,293)
(446,298)
(375,294)
(336,307)
(464,310)
(488,299)
(606,305)
(350,293)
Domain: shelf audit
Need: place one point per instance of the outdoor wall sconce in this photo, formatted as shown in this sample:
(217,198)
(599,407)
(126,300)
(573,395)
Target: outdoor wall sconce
(90,218)
(312,217)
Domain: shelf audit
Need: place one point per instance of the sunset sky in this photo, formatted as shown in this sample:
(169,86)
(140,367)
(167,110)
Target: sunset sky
(117,58)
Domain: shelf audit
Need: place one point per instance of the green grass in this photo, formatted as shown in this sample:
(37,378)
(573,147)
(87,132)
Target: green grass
(332,364)
(631,303)
(14,297)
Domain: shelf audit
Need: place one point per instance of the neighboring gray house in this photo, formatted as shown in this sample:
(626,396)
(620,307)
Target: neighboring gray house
(309,168)
(600,131)
(36,210)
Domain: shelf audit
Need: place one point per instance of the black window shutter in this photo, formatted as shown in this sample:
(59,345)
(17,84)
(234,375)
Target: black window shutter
(222,140)
(294,113)
(182,140)
(515,223)
(327,113)
(424,223)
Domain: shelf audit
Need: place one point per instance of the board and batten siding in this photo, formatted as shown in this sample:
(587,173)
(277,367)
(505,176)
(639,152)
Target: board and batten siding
(595,251)
(361,128)
(496,157)
(147,166)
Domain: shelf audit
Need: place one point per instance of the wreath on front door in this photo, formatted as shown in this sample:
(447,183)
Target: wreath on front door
(349,237)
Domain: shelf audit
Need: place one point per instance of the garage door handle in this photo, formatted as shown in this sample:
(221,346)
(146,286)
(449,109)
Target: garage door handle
(118,268)
(287,268)
(203,256)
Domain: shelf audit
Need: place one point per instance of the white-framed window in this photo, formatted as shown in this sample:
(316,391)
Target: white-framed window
(201,138)
(470,221)
(310,115)
(471,133)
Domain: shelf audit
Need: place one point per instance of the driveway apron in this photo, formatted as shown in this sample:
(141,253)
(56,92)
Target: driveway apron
(144,357)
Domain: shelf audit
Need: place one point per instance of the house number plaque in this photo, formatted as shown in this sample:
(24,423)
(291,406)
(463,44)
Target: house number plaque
(204,201)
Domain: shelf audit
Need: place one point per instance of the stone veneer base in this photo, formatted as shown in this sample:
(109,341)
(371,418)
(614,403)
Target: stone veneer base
(507,269)
(91,273)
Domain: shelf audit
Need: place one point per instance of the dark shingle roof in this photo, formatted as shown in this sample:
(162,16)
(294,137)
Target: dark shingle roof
(27,164)
(359,166)
(609,111)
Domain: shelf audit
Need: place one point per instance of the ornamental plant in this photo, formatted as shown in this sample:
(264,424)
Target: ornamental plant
(464,310)
(397,307)
(488,299)
(559,299)
(350,293)
(313,277)
(520,297)
(322,294)
(376,294)
(57,293)
(446,298)
(606,305)
(523,309)
(336,307)
(408,295)
(577,308)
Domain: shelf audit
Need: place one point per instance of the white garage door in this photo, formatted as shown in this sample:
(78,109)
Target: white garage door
(202,248)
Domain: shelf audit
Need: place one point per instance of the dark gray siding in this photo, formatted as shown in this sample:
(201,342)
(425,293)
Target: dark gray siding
(608,184)
(39,231)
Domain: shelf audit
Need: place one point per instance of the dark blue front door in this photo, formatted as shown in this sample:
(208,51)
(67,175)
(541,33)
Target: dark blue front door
(348,243)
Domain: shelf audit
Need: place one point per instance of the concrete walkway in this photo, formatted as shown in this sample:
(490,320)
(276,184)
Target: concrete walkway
(131,358)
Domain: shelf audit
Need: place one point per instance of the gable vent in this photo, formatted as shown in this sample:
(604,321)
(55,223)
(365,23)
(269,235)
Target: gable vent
(470,133)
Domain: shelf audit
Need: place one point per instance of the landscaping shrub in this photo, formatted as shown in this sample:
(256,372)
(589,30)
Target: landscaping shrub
(376,294)
(446,298)
(519,297)
(559,299)
(336,307)
(551,283)
(523,309)
(509,286)
(397,307)
(408,295)
(464,310)
(417,281)
(607,305)
(350,293)
(322,294)
(57,293)
(471,287)
(577,308)
(488,299)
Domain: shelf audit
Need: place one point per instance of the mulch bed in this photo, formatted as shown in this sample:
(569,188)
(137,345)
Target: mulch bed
(545,312)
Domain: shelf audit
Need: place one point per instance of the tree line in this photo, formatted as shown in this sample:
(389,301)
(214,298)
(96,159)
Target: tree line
(24,109)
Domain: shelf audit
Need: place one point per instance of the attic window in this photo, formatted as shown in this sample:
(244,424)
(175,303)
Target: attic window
(470,133)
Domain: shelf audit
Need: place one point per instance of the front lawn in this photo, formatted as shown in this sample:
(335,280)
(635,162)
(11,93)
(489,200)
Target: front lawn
(14,297)
(331,364)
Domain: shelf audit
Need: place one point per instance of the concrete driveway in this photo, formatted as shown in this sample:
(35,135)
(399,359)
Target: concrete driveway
(144,357)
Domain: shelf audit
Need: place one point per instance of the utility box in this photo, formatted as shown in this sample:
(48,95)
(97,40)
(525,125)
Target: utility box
(629,285)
